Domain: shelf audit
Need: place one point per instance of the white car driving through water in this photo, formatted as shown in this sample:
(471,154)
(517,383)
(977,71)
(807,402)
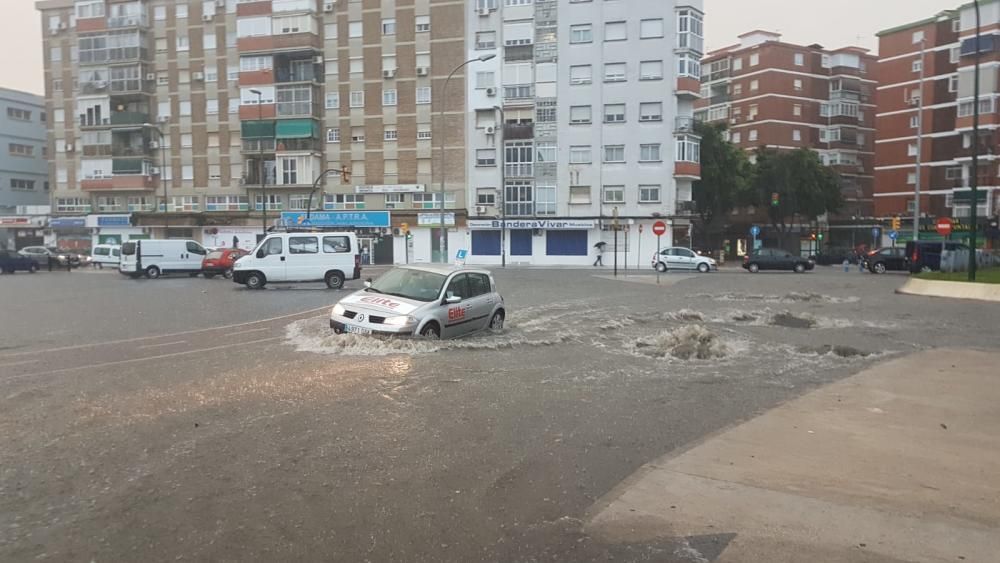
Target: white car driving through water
(430,301)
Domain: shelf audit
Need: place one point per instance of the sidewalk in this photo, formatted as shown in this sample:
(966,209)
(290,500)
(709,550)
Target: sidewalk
(898,463)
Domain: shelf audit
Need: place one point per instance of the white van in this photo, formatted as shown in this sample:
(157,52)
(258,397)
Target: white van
(153,258)
(301,257)
(105,254)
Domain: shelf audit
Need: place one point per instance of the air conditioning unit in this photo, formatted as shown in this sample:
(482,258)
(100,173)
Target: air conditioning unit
(490,130)
(422,71)
(484,11)
(389,73)
(207,17)
(154,170)
(220,3)
(491,92)
(318,59)
(481,209)
(329,6)
(150,76)
(69,147)
(154,144)
(62,25)
(198,75)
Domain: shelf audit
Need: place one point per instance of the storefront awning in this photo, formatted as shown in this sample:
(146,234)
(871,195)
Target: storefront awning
(296,129)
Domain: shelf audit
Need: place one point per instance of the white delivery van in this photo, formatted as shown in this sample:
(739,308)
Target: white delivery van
(105,254)
(154,258)
(301,257)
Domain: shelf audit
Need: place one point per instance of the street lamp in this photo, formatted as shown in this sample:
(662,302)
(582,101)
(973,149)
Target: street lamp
(974,177)
(163,167)
(260,165)
(441,131)
(316,187)
(503,189)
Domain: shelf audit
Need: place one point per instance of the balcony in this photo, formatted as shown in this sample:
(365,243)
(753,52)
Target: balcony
(93,88)
(518,131)
(131,167)
(683,169)
(519,169)
(134,20)
(519,94)
(299,145)
(297,67)
(684,124)
(97,150)
(686,208)
(124,118)
(719,99)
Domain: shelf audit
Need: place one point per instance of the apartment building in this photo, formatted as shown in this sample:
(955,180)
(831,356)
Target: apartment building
(785,96)
(211,119)
(585,114)
(941,135)
(24,177)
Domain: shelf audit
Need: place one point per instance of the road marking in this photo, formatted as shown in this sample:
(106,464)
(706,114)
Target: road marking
(161,345)
(134,360)
(182,333)
(18,363)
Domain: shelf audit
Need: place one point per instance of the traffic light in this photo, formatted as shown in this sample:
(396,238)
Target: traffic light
(813,236)
(820,236)
(775,199)
(895,223)
(345,174)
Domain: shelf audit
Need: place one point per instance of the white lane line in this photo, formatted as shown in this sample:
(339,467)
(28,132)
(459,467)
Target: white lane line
(161,345)
(183,333)
(17,363)
(147,358)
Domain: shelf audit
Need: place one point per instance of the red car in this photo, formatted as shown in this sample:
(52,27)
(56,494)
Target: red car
(220,262)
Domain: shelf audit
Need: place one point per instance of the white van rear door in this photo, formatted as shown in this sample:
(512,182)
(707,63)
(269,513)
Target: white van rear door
(193,255)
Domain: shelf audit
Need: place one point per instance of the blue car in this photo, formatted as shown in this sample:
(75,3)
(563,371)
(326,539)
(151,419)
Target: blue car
(11,262)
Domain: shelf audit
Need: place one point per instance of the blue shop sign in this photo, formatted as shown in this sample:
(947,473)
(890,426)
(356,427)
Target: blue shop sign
(113,221)
(67,222)
(336,219)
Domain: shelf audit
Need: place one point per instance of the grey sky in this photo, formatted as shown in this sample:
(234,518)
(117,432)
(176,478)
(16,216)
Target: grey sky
(831,24)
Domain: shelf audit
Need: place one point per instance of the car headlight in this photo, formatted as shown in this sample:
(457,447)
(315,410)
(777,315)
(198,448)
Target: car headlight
(400,321)
(338,310)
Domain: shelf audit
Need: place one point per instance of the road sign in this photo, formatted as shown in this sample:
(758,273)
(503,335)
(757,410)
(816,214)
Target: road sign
(876,232)
(944,226)
(894,235)
(659,228)
(755,231)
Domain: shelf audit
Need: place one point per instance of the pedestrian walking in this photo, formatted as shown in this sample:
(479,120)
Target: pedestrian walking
(600,254)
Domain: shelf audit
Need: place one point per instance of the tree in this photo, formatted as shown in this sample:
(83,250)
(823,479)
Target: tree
(725,175)
(803,185)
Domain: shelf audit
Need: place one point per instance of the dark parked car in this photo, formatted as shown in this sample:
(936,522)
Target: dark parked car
(885,260)
(220,262)
(836,256)
(776,259)
(925,255)
(11,262)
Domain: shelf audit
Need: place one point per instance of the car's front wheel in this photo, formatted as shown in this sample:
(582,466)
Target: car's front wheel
(228,274)
(879,268)
(255,280)
(432,330)
(800,268)
(152,272)
(703,268)
(32,268)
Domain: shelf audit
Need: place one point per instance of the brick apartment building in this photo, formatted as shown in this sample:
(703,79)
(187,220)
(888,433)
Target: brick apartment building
(948,43)
(776,94)
(235,107)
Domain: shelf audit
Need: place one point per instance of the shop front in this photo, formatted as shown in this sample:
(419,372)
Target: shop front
(19,231)
(113,229)
(373,229)
(69,233)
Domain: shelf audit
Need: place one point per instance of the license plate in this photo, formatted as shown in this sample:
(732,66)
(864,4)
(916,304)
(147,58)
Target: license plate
(357,329)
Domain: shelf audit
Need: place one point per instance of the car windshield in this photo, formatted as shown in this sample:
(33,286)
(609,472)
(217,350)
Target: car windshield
(411,284)
(128,249)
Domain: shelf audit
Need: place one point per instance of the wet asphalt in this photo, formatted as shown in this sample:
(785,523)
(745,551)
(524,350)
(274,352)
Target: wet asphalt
(191,419)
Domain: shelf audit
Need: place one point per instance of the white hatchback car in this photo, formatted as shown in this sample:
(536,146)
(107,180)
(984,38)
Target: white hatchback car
(679,258)
(431,301)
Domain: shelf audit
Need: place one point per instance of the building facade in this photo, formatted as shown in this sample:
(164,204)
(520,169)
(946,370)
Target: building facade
(940,136)
(784,96)
(24,170)
(214,119)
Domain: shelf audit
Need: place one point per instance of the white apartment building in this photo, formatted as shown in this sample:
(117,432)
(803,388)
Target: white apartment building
(585,115)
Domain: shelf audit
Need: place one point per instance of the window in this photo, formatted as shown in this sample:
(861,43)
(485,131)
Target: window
(653,70)
(185,109)
(800,59)
(954,54)
(333,135)
(579,154)
(545,113)
(273,202)
(423,134)
(613,194)
(690,34)
(736,138)
(486,157)
(797,84)
(614,72)
(389,26)
(187,172)
(390,133)
(518,200)
(651,111)
(953,84)
(649,193)
(614,113)
(303,245)
(917,65)
(580,74)
(330,31)
(752,136)
(825,61)
(355,29)
(581,33)
(486,40)
(545,200)
(160,13)
(486,196)
(357,98)
(614,153)
(212,107)
(356,65)
(796,135)
(911,177)
(209,41)
(615,31)
(737,64)
(650,29)
(545,152)
(17,149)
(424,95)
(19,114)
(423,24)
(332,100)
(22,185)
(183,44)
(253,64)
(90,9)
(519,158)
(579,114)
(737,89)
(797,110)
(754,85)
(688,149)
(388,97)
(336,244)
(918,36)
(687,65)
(754,59)
(485,79)
(649,153)
(357,134)
(914,121)
(953,173)
(911,149)
(55,54)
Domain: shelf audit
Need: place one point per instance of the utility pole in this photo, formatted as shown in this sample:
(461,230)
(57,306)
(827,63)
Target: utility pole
(974,176)
(920,144)
(260,146)
(503,188)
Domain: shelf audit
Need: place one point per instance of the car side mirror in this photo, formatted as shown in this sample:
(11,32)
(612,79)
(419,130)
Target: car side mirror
(260,253)
(452,299)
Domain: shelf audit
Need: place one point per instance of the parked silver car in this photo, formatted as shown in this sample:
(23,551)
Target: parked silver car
(679,258)
(431,301)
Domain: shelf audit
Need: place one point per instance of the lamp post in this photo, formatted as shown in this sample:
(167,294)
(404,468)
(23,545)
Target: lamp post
(974,177)
(315,187)
(920,145)
(441,131)
(503,189)
(260,146)
(163,181)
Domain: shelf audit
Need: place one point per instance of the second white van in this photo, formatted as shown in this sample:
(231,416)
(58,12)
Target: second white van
(154,258)
(110,254)
(301,257)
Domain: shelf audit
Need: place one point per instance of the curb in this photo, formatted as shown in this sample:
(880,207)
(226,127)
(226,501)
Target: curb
(950,289)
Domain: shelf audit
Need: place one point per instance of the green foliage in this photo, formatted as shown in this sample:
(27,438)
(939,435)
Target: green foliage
(725,174)
(806,188)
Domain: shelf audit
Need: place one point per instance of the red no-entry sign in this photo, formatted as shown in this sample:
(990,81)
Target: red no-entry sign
(659,228)
(944,226)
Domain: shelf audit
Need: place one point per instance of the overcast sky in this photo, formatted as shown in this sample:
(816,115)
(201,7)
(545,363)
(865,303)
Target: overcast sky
(831,24)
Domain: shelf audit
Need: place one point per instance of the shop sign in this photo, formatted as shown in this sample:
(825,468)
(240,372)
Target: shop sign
(390,189)
(434,219)
(336,219)
(67,222)
(15,221)
(546,224)
(113,221)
